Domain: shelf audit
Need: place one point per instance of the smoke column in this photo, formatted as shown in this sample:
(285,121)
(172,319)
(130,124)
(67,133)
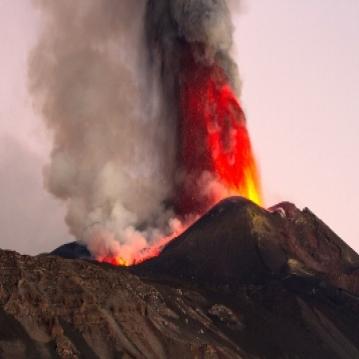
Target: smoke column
(140,98)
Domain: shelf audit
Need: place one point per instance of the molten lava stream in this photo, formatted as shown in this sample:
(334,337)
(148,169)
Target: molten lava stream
(214,140)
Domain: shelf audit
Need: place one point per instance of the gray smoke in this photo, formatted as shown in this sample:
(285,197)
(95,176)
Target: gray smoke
(114,129)
(113,152)
(203,25)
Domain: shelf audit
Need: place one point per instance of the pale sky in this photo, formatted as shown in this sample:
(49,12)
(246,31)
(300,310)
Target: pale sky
(299,63)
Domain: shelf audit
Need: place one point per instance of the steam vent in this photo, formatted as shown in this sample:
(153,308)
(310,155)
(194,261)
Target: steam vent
(241,282)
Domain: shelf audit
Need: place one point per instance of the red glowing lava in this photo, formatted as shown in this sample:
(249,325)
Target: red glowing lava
(214,142)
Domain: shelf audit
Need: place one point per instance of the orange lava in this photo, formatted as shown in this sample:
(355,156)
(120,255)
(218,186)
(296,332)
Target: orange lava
(214,141)
(116,261)
(118,257)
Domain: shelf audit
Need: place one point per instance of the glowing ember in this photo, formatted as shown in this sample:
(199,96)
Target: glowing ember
(127,256)
(116,261)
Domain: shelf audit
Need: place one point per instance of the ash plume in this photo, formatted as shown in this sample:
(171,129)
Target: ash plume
(205,25)
(104,76)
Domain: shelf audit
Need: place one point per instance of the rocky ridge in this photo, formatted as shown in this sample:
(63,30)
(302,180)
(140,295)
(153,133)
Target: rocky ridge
(242,282)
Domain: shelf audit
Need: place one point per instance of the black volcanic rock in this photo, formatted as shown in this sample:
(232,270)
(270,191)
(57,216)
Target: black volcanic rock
(242,282)
(72,250)
(224,247)
(238,242)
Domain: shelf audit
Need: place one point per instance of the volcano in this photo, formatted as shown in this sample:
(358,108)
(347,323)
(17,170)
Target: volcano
(241,282)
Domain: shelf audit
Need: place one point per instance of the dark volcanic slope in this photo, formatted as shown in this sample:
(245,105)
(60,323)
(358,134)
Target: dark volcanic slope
(238,242)
(241,283)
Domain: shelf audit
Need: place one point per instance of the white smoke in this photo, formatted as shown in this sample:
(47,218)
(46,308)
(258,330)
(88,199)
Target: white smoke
(113,152)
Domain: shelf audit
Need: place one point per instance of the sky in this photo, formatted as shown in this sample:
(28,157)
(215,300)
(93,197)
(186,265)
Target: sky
(299,65)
